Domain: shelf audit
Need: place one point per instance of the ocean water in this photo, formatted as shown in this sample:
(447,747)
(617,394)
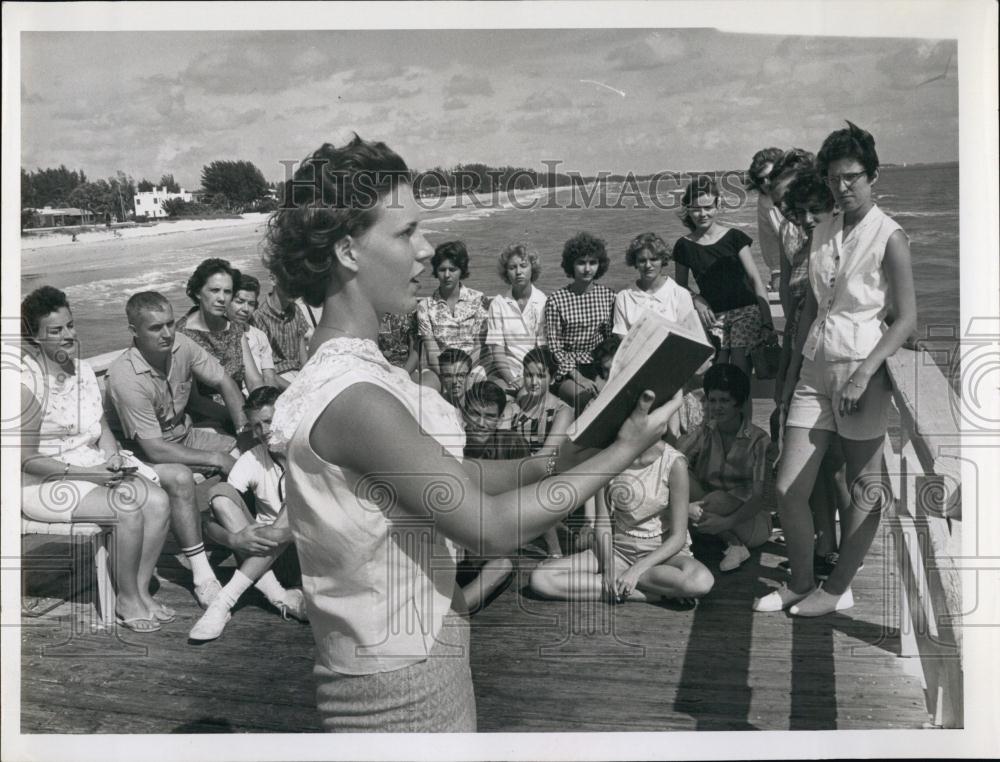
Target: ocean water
(98,278)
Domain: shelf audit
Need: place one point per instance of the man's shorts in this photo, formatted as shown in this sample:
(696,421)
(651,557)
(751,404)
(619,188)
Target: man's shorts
(816,400)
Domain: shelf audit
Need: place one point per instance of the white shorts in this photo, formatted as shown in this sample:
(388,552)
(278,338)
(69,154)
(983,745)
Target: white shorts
(816,400)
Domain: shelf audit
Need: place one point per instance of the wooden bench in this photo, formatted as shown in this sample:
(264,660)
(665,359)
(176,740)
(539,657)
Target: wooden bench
(96,576)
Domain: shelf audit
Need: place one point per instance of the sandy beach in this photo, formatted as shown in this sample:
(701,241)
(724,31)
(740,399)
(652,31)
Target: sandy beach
(164,227)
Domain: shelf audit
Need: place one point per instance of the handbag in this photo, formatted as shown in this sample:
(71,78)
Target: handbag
(766,356)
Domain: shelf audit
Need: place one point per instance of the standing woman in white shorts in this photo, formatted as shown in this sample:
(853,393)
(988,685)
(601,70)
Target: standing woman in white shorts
(860,274)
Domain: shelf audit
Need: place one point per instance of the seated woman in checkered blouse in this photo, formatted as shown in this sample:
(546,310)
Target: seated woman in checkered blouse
(578,318)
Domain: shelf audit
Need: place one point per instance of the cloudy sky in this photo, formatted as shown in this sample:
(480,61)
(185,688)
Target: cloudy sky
(156,102)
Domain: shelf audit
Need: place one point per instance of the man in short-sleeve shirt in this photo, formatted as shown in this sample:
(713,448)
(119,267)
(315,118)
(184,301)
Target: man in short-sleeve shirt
(149,386)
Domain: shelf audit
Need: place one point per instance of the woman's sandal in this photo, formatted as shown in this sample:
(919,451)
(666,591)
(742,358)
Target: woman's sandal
(134,623)
(164,614)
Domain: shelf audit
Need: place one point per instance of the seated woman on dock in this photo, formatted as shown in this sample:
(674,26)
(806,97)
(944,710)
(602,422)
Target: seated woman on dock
(454,315)
(654,290)
(732,300)
(727,455)
(377,513)
(210,287)
(578,318)
(859,274)
(258,538)
(72,468)
(515,323)
(642,550)
(243,305)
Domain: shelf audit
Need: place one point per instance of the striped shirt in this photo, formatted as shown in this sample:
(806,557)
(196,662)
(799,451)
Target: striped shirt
(576,323)
(741,472)
(285,330)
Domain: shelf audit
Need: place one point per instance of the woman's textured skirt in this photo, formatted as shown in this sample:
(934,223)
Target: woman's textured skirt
(432,696)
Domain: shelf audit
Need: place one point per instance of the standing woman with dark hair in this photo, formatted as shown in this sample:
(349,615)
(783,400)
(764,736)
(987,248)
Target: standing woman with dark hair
(731,300)
(378,494)
(454,315)
(769,217)
(210,287)
(860,274)
(578,318)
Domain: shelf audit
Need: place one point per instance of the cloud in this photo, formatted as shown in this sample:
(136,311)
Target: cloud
(455,104)
(908,66)
(367,93)
(376,73)
(246,68)
(460,84)
(545,99)
(28,98)
(656,50)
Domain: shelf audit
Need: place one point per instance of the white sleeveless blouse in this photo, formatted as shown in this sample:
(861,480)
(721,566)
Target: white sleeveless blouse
(378,580)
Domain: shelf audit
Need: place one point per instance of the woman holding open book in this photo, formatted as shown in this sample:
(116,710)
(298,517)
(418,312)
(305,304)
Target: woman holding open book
(376,518)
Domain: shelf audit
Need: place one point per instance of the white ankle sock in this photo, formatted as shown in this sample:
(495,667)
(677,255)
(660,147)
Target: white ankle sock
(201,570)
(268,584)
(235,587)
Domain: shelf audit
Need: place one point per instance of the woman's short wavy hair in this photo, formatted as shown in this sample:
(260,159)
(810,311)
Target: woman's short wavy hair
(794,160)
(728,378)
(761,159)
(584,245)
(650,242)
(334,193)
(806,191)
(205,270)
(456,252)
(851,142)
(700,185)
(526,253)
(41,302)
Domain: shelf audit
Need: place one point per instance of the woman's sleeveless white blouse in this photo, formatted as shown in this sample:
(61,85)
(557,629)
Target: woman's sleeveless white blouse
(378,580)
(850,286)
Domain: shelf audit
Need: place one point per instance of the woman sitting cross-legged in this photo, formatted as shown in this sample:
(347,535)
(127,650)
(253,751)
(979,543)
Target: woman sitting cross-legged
(728,460)
(642,547)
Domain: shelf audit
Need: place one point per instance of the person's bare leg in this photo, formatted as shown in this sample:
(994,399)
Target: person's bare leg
(681,577)
(570,578)
(871,492)
(800,461)
(120,509)
(156,522)
(490,577)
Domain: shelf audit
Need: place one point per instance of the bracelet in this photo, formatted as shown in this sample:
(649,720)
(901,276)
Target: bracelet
(851,382)
(65,471)
(550,464)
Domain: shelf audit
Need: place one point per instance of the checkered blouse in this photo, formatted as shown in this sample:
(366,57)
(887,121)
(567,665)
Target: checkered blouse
(576,323)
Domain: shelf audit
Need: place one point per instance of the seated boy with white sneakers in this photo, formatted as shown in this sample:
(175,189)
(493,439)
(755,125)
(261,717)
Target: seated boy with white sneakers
(727,460)
(258,540)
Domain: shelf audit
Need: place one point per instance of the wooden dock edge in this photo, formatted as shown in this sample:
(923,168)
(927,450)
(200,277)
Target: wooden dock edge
(925,526)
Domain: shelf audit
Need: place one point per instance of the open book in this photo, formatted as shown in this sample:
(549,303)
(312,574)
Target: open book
(655,354)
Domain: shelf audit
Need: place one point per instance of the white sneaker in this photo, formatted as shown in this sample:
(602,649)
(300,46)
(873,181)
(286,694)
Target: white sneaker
(734,558)
(778,600)
(819,603)
(292,604)
(212,622)
(207,591)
